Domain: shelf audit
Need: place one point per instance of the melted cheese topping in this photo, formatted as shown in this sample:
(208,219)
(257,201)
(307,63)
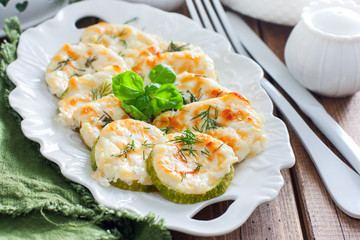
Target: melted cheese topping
(77,60)
(122,39)
(191,60)
(84,89)
(105,50)
(194,87)
(96,115)
(194,173)
(114,159)
(240,126)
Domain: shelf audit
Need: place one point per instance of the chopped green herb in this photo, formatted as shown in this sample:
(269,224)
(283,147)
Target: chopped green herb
(128,148)
(190,151)
(221,145)
(173,47)
(209,122)
(106,118)
(161,121)
(218,94)
(90,60)
(124,42)
(122,33)
(198,166)
(183,176)
(205,152)
(200,75)
(166,130)
(62,64)
(187,137)
(75,75)
(134,19)
(99,38)
(103,90)
(147,144)
(192,98)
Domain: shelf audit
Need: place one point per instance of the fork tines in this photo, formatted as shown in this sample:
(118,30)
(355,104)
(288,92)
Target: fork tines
(211,15)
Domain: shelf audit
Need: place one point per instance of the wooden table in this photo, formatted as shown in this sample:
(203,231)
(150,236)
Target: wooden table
(303,209)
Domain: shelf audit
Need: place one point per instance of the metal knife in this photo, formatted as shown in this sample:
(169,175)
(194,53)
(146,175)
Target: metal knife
(301,96)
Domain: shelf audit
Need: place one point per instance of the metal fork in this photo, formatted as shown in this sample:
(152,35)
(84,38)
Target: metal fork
(341,182)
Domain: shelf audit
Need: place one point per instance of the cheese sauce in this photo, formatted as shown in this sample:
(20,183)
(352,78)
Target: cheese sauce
(121,150)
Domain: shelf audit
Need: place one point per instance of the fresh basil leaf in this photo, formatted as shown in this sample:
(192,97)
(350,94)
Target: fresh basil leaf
(133,111)
(143,103)
(127,85)
(162,74)
(151,88)
(166,97)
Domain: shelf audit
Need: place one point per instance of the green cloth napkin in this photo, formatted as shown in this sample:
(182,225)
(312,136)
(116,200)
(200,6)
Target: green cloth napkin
(36,201)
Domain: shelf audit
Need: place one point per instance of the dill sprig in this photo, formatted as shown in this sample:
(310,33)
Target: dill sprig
(173,47)
(106,118)
(192,98)
(190,151)
(134,19)
(128,148)
(147,144)
(198,166)
(62,64)
(209,122)
(124,42)
(221,145)
(183,176)
(103,90)
(99,38)
(166,130)
(187,139)
(205,152)
(90,60)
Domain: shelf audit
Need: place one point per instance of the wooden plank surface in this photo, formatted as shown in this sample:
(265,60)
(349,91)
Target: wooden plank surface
(322,219)
(303,209)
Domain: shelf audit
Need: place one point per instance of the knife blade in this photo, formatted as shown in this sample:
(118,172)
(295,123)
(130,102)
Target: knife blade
(301,96)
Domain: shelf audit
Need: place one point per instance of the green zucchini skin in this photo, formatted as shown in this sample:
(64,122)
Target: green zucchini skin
(134,186)
(93,160)
(64,93)
(184,198)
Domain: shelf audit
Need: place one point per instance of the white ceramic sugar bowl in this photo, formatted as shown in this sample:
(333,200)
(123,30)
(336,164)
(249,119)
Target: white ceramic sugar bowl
(323,50)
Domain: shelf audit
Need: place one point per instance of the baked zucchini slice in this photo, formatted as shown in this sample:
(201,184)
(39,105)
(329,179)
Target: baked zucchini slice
(191,167)
(118,155)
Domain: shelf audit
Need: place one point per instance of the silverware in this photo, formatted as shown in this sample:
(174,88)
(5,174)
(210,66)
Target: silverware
(341,181)
(302,97)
